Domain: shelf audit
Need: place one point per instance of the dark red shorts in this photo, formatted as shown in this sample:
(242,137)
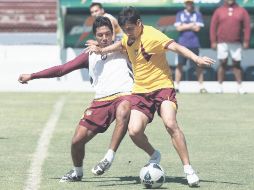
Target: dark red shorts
(101,114)
(148,103)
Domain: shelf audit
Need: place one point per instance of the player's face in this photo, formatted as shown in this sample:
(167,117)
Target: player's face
(96,11)
(133,31)
(189,6)
(103,36)
(230,2)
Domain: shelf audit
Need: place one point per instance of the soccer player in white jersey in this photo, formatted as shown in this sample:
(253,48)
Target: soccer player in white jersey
(112,80)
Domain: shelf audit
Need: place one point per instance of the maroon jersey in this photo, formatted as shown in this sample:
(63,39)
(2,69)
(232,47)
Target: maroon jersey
(228,23)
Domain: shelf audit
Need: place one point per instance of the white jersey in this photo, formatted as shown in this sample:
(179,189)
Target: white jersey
(110,74)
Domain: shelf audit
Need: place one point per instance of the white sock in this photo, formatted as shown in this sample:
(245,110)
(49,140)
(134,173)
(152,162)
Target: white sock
(110,155)
(79,171)
(239,86)
(188,169)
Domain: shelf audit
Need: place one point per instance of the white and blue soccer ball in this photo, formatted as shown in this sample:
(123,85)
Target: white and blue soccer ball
(152,175)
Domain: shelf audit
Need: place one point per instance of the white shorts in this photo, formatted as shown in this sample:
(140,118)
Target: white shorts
(234,49)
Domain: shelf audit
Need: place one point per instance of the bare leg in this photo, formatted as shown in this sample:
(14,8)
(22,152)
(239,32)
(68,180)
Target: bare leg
(237,71)
(122,119)
(178,74)
(137,125)
(221,70)
(80,138)
(168,115)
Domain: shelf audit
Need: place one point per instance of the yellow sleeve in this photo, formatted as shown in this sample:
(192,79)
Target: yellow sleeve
(160,41)
(124,40)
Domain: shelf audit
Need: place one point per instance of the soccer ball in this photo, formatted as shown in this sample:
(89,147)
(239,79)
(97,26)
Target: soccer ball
(152,175)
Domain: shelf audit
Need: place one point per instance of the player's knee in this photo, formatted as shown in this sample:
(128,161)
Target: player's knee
(172,127)
(134,132)
(123,111)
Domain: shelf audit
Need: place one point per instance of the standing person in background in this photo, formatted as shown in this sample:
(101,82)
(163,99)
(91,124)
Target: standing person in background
(96,9)
(227,25)
(188,23)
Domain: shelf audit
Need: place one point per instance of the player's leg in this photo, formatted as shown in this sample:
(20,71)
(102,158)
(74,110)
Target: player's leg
(136,129)
(236,54)
(199,71)
(222,55)
(179,71)
(168,115)
(81,137)
(122,119)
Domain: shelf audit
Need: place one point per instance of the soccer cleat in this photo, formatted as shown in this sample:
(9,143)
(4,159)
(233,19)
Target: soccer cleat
(203,91)
(71,176)
(240,90)
(101,167)
(191,177)
(156,157)
(177,90)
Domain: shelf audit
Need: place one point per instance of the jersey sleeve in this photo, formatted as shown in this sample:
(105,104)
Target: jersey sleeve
(178,21)
(200,21)
(160,42)
(124,41)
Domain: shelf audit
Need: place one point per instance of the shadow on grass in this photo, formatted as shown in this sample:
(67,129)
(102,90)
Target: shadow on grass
(3,138)
(133,180)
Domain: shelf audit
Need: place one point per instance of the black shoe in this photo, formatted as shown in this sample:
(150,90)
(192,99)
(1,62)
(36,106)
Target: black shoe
(71,177)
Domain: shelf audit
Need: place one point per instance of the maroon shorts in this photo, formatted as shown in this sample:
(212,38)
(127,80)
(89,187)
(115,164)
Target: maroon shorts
(148,103)
(101,114)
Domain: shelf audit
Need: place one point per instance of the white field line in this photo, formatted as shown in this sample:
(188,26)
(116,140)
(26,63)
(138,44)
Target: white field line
(34,173)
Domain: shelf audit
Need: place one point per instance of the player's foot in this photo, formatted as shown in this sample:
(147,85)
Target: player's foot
(101,167)
(155,158)
(191,176)
(177,90)
(71,176)
(240,90)
(203,91)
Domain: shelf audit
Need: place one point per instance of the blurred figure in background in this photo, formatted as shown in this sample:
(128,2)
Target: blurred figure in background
(228,23)
(96,9)
(188,23)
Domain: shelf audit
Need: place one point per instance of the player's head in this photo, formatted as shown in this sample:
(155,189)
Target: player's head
(103,31)
(130,22)
(96,9)
(230,2)
(189,5)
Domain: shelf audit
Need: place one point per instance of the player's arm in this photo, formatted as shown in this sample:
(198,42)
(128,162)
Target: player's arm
(109,49)
(79,62)
(177,48)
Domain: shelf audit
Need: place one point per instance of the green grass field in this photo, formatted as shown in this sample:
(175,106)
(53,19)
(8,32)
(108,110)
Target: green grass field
(219,129)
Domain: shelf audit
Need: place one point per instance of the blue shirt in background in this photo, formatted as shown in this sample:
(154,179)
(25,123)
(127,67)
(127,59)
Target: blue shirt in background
(189,38)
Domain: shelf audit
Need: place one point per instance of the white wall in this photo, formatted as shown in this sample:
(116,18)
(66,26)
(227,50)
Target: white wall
(17,59)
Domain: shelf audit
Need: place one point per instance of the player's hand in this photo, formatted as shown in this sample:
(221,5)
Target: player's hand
(93,49)
(24,78)
(214,45)
(205,61)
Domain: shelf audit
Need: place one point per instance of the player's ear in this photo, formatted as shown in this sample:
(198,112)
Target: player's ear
(139,22)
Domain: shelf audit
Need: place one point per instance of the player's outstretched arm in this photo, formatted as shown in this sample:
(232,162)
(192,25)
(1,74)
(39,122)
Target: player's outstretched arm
(200,61)
(79,62)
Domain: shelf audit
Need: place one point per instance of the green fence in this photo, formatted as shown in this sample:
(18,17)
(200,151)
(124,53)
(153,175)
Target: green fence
(75,22)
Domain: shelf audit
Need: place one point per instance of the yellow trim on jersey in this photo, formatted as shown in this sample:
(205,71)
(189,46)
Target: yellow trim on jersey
(112,97)
(148,57)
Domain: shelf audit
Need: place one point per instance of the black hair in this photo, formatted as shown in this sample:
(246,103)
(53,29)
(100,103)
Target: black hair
(102,21)
(128,14)
(96,4)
